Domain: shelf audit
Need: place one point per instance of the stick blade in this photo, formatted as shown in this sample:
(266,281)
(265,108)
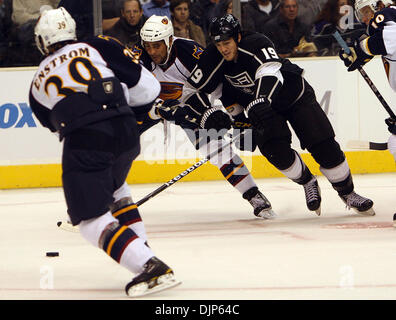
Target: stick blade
(366,145)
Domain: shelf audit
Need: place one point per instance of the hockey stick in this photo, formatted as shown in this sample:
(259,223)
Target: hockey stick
(365,76)
(367,145)
(186,172)
(65,225)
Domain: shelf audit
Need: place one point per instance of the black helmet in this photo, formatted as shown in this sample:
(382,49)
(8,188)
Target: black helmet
(224,28)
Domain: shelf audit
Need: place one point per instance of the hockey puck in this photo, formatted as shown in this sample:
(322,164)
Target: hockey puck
(52,254)
(394,220)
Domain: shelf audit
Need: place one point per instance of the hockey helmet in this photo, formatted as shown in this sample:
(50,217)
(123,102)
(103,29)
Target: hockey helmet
(53,26)
(157,28)
(372,4)
(224,28)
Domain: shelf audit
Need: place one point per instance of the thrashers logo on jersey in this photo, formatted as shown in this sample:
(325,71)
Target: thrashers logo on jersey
(197,52)
(171,90)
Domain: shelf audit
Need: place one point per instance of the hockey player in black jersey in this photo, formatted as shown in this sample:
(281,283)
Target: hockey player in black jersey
(88,92)
(273,92)
(171,59)
(380,18)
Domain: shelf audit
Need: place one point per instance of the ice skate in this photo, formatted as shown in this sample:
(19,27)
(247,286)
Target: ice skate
(312,195)
(358,203)
(156,276)
(262,207)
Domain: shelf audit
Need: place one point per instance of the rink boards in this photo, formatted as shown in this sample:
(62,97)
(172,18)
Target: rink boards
(30,154)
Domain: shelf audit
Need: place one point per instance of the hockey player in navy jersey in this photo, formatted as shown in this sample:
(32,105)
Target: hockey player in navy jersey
(88,93)
(380,18)
(172,59)
(273,92)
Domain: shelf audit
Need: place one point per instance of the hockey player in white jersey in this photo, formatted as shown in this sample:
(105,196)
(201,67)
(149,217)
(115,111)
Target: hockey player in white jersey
(380,18)
(89,92)
(172,59)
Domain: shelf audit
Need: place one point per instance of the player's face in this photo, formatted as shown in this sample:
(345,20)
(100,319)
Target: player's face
(228,49)
(365,15)
(132,12)
(157,51)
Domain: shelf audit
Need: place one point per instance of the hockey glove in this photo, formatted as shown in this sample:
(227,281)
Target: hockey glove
(216,119)
(257,112)
(165,109)
(357,57)
(391,123)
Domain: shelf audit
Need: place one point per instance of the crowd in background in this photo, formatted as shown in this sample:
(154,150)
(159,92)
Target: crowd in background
(298,28)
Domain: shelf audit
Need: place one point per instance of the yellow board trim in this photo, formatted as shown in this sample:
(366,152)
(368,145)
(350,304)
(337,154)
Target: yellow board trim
(50,175)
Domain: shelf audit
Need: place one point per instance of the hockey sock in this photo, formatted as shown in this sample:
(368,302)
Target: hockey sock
(298,171)
(126,211)
(128,215)
(125,247)
(237,174)
(340,178)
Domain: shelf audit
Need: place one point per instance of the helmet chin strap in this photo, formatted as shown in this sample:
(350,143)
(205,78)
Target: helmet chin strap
(168,53)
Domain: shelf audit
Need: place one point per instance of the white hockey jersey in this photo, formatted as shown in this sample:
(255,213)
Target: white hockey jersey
(183,58)
(69,70)
(382,40)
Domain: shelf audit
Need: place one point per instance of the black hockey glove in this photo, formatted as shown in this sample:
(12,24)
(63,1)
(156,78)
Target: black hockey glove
(391,123)
(357,57)
(257,112)
(216,119)
(167,109)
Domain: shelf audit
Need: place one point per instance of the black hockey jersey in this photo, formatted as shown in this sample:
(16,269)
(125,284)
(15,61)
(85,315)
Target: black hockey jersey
(257,59)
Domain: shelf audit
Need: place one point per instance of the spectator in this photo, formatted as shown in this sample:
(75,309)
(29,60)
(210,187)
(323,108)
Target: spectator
(335,15)
(308,10)
(222,7)
(289,35)
(257,12)
(25,14)
(127,29)
(156,7)
(202,12)
(110,13)
(182,25)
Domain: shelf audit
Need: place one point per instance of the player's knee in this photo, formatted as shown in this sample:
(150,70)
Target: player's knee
(92,230)
(278,153)
(327,153)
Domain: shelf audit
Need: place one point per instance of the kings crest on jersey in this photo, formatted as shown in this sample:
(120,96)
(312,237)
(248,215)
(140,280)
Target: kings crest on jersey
(257,59)
(172,76)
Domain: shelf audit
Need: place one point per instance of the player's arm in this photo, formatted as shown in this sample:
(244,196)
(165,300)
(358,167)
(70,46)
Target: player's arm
(268,82)
(380,41)
(142,87)
(41,112)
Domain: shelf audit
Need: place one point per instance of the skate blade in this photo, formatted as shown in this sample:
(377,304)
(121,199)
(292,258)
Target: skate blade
(267,214)
(166,281)
(67,226)
(369,212)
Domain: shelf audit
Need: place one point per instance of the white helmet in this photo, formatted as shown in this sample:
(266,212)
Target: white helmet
(372,4)
(157,28)
(54,26)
